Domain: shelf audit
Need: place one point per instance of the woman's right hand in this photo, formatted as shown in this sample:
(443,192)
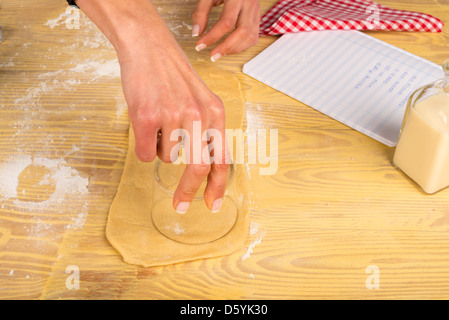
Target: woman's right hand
(164,94)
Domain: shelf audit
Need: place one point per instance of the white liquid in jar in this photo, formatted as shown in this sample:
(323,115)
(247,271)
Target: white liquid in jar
(422,152)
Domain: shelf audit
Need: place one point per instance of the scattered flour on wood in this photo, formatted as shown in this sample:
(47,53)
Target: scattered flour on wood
(89,34)
(10,63)
(109,68)
(253,228)
(252,245)
(68,184)
(59,20)
(9,176)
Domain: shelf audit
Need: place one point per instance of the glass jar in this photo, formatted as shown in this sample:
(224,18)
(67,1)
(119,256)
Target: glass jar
(422,152)
(198,225)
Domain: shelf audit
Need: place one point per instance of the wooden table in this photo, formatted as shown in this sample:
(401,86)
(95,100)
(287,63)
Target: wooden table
(335,215)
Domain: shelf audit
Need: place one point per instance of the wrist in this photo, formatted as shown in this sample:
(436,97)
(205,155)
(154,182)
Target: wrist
(130,26)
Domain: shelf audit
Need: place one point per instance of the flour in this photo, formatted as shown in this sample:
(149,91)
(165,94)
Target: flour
(68,184)
(9,175)
(97,40)
(178,229)
(41,194)
(121,105)
(84,72)
(61,19)
(109,68)
(10,63)
(178,30)
(61,82)
(89,34)
(253,228)
(252,245)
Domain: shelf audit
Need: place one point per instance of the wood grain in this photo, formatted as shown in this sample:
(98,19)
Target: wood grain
(335,206)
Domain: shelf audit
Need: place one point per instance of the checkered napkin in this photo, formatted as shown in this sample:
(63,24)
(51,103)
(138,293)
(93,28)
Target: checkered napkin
(289,16)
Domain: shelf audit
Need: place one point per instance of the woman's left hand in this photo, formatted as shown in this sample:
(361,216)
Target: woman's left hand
(239,17)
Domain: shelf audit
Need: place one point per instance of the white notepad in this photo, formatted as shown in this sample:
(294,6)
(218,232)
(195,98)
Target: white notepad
(354,78)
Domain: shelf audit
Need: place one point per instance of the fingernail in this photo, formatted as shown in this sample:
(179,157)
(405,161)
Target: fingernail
(182,207)
(200,47)
(215,57)
(216,206)
(195,30)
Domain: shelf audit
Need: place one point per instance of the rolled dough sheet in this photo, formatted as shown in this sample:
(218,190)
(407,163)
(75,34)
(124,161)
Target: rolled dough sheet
(130,229)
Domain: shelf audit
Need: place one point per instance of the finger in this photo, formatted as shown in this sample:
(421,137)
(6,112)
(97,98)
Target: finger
(146,136)
(245,35)
(200,17)
(217,178)
(168,142)
(191,180)
(219,154)
(216,186)
(240,39)
(218,3)
(196,169)
(224,25)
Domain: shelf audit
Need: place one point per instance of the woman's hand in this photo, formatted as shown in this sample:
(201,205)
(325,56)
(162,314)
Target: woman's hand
(164,94)
(239,18)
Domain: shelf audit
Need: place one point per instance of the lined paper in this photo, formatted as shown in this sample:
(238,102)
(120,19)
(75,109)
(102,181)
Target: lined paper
(352,77)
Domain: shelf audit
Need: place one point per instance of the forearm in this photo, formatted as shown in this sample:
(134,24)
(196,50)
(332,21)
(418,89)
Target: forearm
(129,25)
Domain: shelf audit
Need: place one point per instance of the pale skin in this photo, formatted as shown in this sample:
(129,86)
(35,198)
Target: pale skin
(161,88)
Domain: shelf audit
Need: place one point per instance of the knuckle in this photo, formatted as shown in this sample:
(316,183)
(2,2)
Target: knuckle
(254,38)
(243,32)
(145,116)
(201,170)
(196,114)
(144,156)
(217,109)
(198,15)
(188,191)
(221,167)
(175,117)
(227,24)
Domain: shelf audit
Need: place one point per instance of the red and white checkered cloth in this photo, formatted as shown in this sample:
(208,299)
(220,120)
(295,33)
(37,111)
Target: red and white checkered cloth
(289,16)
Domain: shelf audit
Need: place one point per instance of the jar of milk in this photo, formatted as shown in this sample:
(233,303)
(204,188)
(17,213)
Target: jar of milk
(422,152)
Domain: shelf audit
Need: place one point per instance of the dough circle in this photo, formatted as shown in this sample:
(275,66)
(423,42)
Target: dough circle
(189,227)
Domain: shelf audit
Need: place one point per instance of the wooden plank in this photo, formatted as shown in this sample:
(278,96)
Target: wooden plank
(335,206)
